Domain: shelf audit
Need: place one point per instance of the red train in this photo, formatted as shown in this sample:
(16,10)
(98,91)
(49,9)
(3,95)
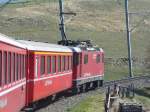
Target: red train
(30,71)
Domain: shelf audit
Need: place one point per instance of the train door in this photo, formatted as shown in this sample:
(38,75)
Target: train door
(85,64)
(77,65)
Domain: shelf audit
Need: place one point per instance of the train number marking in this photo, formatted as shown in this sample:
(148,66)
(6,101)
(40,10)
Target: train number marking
(86,74)
(48,82)
(3,103)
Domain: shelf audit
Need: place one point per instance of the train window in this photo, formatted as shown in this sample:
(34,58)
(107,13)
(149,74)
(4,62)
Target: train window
(76,59)
(68,66)
(102,58)
(53,64)
(36,66)
(16,66)
(42,65)
(64,63)
(19,67)
(59,63)
(0,68)
(48,64)
(5,67)
(13,66)
(85,59)
(71,63)
(24,66)
(98,58)
(9,67)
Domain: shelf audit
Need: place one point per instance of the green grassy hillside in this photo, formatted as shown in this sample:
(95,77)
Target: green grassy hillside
(100,20)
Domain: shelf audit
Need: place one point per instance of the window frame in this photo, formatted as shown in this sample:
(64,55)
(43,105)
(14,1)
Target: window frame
(98,58)
(16,67)
(53,64)
(86,59)
(13,66)
(24,66)
(42,65)
(103,59)
(59,63)
(19,67)
(1,69)
(68,58)
(5,67)
(36,67)
(48,64)
(76,59)
(9,68)
(71,64)
(63,63)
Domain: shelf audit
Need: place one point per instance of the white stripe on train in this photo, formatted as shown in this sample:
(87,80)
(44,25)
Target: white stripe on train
(23,83)
(44,78)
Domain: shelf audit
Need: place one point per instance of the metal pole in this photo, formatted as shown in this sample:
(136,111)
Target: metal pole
(61,14)
(128,38)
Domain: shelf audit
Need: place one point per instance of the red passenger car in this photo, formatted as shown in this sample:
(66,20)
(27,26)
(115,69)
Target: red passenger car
(50,70)
(12,75)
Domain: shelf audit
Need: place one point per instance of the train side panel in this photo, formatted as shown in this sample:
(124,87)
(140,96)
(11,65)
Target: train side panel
(12,78)
(88,67)
(92,64)
(50,73)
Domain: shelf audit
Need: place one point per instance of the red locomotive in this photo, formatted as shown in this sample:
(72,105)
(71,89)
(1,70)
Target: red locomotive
(30,71)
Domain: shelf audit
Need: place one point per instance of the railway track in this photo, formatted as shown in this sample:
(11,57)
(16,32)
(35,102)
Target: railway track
(65,101)
(137,81)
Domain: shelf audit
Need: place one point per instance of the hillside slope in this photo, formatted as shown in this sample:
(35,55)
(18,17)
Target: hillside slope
(99,20)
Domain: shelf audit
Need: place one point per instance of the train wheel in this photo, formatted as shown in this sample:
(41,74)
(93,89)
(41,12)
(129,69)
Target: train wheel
(53,97)
(91,85)
(98,84)
(76,90)
(101,83)
(95,84)
(31,107)
(84,88)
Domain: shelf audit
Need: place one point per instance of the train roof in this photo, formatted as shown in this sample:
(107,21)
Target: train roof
(78,49)
(75,49)
(11,41)
(41,46)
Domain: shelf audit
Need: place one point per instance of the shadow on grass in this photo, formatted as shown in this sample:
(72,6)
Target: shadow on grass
(143,92)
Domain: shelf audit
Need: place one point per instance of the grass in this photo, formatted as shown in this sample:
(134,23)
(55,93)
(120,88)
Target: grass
(115,72)
(94,103)
(143,96)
